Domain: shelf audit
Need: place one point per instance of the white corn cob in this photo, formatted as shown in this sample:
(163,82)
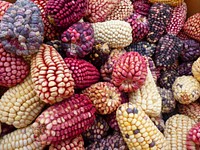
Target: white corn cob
(20,104)
(176,129)
(20,139)
(138,131)
(186,89)
(148,97)
(116,33)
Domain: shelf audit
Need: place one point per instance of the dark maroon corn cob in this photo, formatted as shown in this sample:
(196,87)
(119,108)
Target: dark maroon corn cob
(81,34)
(158,17)
(167,78)
(191,50)
(64,13)
(168,50)
(141,7)
(111,142)
(83,72)
(64,120)
(185,68)
(143,48)
(97,131)
(99,54)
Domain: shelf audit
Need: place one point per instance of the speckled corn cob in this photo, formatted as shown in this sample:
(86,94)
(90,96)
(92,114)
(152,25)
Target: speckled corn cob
(176,129)
(105,97)
(116,33)
(22,28)
(168,101)
(159,123)
(51,76)
(111,142)
(76,143)
(122,11)
(20,139)
(186,89)
(3,7)
(64,120)
(192,26)
(191,110)
(97,131)
(193,138)
(138,131)
(196,69)
(148,97)
(185,68)
(20,105)
(98,10)
(107,69)
(170,2)
(177,19)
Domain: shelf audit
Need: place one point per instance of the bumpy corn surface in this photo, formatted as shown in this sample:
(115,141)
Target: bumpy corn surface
(191,110)
(148,96)
(105,97)
(116,33)
(20,105)
(122,11)
(186,89)
(170,2)
(196,69)
(3,7)
(138,131)
(51,76)
(20,139)
(76,143)
(176,129)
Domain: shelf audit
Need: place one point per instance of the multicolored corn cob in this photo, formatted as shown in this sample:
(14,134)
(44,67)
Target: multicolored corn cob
(148,97)
(186,89)
(51,76)
(176,129)
(137,129)
(76,143)
(64,120)
(105,97)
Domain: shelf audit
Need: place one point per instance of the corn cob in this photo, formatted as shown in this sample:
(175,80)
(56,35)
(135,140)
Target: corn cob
(118,34)
(20,139)
(20,105)
(158,122)
(76,143)
(186,89)
(3,7)
(193,138)
(138,131)
(169,2)
(51,76)
(191,110)
(176,129)
(148,96)
(105,97)
(64,120)
(196,69)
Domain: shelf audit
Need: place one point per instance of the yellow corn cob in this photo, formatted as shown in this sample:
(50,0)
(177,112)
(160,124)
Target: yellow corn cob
(169,2)
(20,139)
(192,110)
(138,131)
(116,33)
(176,129)
(20,105)
(148,97)
(196,69)
(186,89)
